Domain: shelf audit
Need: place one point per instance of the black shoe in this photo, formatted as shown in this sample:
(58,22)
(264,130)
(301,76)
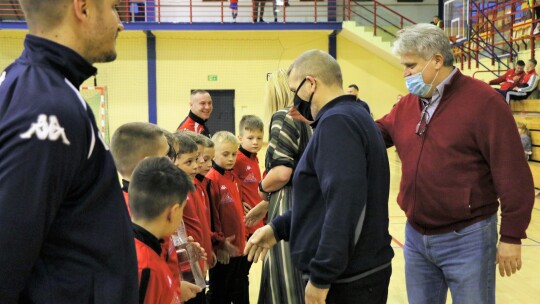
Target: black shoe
(275,19)
(261,20)
(254,20)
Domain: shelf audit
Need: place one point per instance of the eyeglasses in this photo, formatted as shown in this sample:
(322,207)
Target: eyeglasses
(422,124)
(171,154)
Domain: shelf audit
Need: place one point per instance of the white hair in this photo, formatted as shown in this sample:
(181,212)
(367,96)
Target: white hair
(424,40)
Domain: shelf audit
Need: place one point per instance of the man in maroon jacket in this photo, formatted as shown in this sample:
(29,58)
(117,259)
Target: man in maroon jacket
(461,155)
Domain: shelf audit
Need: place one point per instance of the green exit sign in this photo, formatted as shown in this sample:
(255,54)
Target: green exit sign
(212,77)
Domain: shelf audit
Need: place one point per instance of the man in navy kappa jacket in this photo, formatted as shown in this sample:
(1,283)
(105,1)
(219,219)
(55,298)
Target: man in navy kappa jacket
(65,233)
(338,224)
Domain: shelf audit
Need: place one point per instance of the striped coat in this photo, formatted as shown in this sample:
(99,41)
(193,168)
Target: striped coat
(280,281)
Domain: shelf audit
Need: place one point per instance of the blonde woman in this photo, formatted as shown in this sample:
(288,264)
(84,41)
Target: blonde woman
(280,281)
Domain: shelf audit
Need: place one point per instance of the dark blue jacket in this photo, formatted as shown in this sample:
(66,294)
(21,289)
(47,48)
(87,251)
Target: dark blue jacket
(364,104)
(65,234)
(338,224)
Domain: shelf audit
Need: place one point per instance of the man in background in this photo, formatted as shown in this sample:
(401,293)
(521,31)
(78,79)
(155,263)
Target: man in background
(510,79)
(200,109)
(353,90)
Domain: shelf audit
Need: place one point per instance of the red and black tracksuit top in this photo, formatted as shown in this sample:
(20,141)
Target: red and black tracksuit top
(194,123)
(228,215)
(248,172)
(507,80)
(157,284)
(168,252)
(195,220)
(203,209)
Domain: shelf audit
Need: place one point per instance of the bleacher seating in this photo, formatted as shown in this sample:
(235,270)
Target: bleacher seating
(528,112)
(533,96)
(521,31)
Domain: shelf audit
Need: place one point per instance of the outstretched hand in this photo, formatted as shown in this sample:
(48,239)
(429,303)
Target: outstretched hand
(259,243)
(256,214)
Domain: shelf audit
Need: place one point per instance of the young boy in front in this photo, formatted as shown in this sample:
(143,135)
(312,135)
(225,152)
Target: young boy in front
(195,218)
(229,278)
(157,195)
(247,164)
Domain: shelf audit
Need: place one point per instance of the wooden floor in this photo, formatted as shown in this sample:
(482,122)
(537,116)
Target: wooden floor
(524,287)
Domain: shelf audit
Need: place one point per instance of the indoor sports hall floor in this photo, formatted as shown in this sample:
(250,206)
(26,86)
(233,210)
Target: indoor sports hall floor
(522,288)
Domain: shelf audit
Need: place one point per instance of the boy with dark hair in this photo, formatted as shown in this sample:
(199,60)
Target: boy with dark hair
(247,164)
(201,193)
(229,278)
(157,196)
(130,144)
(195,218)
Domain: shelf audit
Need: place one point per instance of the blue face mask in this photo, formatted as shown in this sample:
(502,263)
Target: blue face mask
(416,85)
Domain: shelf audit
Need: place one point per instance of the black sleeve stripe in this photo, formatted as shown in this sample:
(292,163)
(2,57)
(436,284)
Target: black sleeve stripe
(143,286)
(212,226)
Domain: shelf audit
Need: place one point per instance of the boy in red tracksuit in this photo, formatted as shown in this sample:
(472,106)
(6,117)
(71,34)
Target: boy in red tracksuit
(130,144)
(157,198)
(195,218)
(229,278)
(201,193)
(206,150)
(247,164)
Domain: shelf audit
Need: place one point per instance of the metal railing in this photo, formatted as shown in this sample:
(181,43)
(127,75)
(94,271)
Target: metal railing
(198,11)
(384,20)
(497,31)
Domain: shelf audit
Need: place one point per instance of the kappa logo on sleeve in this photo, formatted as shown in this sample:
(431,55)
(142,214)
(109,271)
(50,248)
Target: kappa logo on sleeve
(46,129)
(2,77)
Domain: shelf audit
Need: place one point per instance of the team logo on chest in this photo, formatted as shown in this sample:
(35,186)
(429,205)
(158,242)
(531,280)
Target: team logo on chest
(46,129)
(225,195)
(250,178)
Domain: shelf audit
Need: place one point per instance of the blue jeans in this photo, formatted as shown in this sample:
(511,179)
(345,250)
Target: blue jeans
(462,260)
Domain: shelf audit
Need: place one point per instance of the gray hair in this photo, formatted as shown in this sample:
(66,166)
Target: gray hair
(424,40)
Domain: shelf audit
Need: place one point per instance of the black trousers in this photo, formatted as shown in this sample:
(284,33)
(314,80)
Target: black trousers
(199,299)
(229,283)
(372,289)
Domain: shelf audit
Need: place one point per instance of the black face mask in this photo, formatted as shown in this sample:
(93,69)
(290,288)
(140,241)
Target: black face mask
(302,106)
